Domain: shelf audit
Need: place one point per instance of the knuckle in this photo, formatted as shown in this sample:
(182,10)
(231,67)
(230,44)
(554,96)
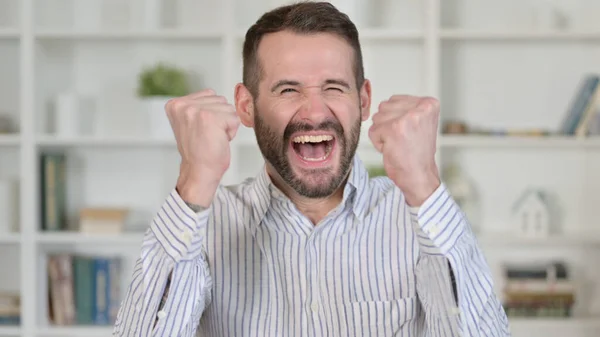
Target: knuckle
(429,103)
(413,117)
(203,114)
(375,118)
(180,105)
(172,104)
(397,124)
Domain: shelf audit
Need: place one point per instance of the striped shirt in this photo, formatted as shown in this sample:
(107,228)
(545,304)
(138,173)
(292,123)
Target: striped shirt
(252,265)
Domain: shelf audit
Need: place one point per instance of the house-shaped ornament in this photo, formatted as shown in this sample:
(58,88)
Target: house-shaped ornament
(531,215)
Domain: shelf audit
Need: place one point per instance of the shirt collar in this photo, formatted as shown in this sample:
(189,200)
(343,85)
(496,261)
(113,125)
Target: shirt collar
(354,195)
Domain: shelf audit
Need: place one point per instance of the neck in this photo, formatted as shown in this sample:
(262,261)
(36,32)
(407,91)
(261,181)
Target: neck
(314,209)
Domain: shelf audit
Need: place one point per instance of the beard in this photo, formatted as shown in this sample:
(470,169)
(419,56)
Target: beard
(315,183)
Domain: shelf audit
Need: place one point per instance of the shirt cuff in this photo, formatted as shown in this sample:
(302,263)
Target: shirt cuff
(178,229)
(438,222)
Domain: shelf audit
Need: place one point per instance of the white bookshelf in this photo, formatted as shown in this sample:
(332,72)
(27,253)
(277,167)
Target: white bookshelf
(486,61)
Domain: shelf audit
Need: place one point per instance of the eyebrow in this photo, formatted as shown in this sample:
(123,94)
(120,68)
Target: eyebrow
(338,82)
(281,83)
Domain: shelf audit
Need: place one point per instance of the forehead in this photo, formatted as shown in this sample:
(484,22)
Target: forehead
(305,57)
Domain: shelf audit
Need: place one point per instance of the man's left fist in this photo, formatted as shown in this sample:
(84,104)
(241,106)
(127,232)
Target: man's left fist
(404,130)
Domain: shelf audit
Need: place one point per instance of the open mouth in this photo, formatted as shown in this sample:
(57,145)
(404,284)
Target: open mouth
(313,148)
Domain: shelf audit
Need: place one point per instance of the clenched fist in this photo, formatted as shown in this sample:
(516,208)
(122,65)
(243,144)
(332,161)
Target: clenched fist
(203,124)
(404,130)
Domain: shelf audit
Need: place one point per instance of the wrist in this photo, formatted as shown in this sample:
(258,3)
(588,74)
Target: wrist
(420,189)
(196,187)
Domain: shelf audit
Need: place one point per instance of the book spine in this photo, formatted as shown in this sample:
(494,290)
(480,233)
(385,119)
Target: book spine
(102,292)
(115,289)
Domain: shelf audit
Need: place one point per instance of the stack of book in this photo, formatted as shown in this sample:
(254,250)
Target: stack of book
(83,290)
(538,290)
(99,219)
(10,309)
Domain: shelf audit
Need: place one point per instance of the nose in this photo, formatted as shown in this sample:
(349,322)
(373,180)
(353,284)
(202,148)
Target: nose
(314,108)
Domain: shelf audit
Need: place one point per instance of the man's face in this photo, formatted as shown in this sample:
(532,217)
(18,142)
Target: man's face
(308,114)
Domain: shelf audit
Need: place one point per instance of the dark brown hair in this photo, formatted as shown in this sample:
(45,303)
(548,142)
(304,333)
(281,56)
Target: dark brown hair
(303,18)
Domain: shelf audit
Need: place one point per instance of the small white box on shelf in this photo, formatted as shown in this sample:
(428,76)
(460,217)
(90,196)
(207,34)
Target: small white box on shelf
(160,127)
(74,115)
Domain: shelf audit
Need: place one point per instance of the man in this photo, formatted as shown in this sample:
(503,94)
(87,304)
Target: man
(311,246)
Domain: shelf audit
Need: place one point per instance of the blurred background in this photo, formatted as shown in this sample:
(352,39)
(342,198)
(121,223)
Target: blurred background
(87,156)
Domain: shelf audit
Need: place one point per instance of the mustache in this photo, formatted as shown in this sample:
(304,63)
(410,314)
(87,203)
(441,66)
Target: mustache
(328,125)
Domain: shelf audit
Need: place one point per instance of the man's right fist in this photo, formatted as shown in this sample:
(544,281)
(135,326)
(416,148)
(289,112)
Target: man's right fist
(203,124)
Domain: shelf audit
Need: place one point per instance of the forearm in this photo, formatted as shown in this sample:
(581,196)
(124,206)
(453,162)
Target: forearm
(171,270)
(164,298)
(148,285)
(448,249)
(468,306)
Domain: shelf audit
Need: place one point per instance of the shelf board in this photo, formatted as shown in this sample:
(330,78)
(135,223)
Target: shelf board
(7,330)
(9,33)
(445,141)
(52,141)
(75,331)
(516,142)
(554,322)
(466,34)
(9,140)
(374,34)
(576,240)
(95,239)
(365,34)
(10,238)
(389,34)
(131,35)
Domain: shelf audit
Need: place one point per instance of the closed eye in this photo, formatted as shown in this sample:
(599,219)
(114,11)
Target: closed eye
(286,90)
(335,89)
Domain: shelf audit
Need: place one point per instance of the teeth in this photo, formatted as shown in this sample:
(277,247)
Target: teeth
(316,159)
(312,139)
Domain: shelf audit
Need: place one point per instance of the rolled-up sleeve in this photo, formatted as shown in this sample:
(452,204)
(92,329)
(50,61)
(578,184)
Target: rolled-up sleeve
(454,281)
(173,250)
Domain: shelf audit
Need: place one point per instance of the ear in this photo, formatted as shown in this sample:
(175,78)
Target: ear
(244,105)
(365,100)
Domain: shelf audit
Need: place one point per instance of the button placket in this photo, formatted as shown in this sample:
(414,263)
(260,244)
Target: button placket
(315,295)
(313,305)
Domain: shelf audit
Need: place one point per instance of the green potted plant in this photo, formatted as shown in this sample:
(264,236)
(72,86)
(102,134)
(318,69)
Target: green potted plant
(157,85)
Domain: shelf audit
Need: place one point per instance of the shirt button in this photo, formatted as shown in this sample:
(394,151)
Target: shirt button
(161,314)
(187,237)
(434,230)
(455,311)
(314,307)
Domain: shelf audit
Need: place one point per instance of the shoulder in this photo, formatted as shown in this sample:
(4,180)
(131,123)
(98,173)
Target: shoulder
(236,197)
(381,189)
(235,207)
(236,192)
